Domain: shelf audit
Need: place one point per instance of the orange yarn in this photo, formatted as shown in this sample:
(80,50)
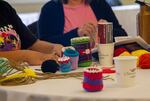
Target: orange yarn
(144,61)
(125,53)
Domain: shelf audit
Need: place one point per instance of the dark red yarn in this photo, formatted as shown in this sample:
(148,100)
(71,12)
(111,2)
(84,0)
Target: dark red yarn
(118,51)
(92,88)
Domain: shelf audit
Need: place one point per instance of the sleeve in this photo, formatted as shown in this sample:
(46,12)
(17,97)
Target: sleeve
(51,25)
(26,37)
(108,14)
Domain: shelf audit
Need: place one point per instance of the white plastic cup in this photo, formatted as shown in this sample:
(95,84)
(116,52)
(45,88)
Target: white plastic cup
(105,54)
(125,70)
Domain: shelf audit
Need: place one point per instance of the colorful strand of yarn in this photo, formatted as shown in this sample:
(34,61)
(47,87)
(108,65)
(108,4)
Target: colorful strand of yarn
(65,65)
(4,66)
(93,79)
(144,61)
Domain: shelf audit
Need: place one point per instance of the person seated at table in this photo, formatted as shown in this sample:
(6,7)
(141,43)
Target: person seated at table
(17,43)
(61,20)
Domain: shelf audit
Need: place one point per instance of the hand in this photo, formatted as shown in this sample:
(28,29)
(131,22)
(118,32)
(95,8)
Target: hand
(37,58)
(87,29)
(102,21)
(57,49)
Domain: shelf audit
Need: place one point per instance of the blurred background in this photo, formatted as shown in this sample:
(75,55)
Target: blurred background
(125,10)
(23,6)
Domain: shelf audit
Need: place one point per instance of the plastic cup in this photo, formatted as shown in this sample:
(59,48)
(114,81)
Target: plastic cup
(105,54)
(125,70)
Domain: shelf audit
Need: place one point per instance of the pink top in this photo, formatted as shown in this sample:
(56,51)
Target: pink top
(77,16)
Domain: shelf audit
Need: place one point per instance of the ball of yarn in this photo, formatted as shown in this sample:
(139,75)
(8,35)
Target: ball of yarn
(138,53)
(125,53)
(49,66)
(144,61)
(119,51)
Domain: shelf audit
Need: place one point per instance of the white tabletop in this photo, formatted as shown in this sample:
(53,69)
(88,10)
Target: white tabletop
(71,90)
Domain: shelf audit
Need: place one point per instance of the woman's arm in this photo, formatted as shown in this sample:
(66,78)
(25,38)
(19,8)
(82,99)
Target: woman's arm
(29,56)
(46,47)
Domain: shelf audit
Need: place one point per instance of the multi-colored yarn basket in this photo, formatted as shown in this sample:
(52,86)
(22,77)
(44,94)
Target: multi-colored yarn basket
(74,57)
(82,45)
(93,79)
(65,65)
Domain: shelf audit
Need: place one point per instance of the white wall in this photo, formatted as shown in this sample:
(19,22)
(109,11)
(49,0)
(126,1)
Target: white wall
(127,16)
(26,1)
(27,6)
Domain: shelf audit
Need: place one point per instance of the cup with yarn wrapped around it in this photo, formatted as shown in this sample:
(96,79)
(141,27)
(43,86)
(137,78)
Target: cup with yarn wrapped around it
(82,45)
(74,57)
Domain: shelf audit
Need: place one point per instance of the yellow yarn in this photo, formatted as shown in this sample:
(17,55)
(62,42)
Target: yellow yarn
(28,72)
(126,53)
(138,53)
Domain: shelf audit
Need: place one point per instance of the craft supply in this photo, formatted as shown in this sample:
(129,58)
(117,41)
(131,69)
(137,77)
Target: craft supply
(144,61)
(74,57)
(82,45)
(4,65)
(119,51)
(49,66)
(138,53)
(93,79)
(20,74)
(106,53)
(9,39)
(65,65)
(108,71)
(68,47)
(105,34)
(105,45)
(125,70)
(125,53)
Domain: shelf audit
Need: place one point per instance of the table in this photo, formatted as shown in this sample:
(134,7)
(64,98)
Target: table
(71,90)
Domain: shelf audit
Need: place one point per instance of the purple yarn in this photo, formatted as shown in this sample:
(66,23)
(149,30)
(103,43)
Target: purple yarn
(93,82)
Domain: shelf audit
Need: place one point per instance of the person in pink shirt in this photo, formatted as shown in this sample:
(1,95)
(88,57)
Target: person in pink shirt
(61,20)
